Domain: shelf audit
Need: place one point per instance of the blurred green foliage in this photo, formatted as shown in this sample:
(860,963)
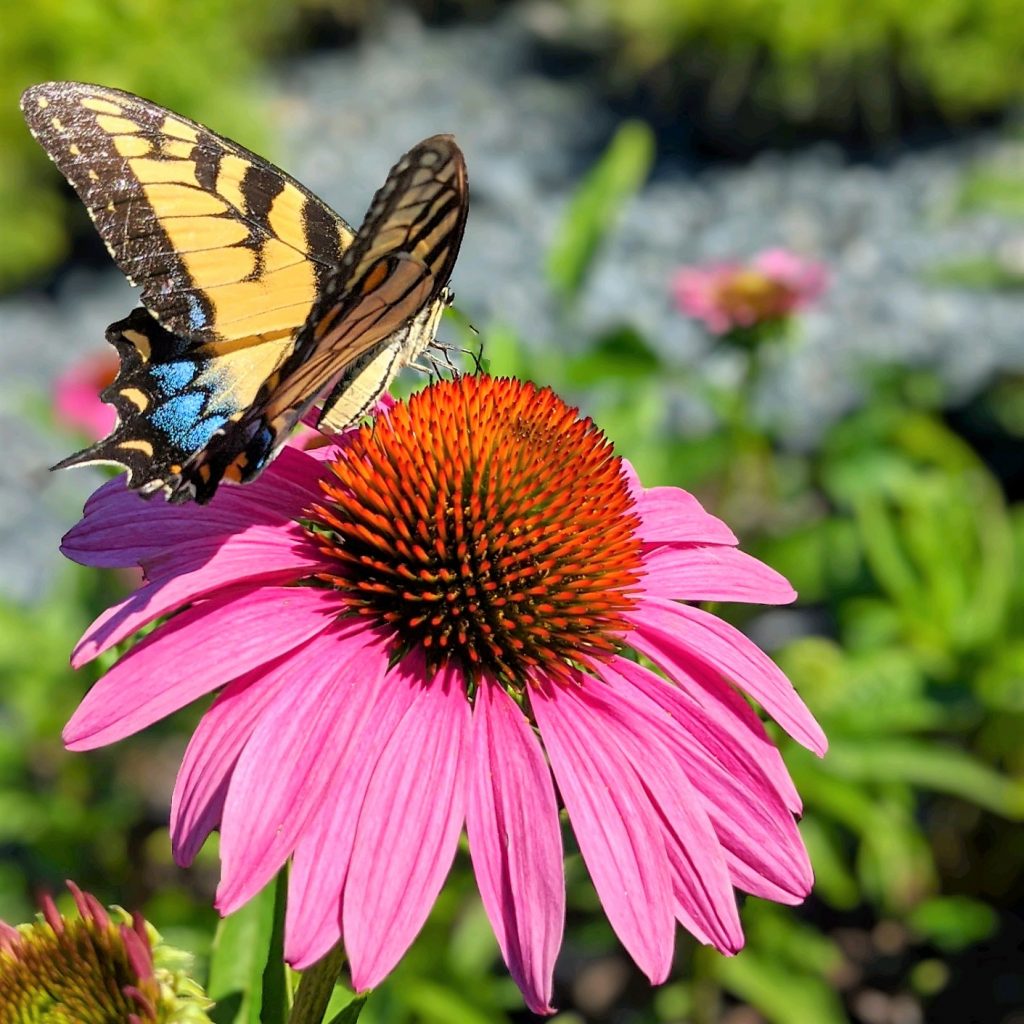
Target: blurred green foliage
(908,644)
(830,58)
(196,56)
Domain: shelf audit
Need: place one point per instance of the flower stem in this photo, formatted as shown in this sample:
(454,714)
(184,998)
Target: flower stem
(315,988)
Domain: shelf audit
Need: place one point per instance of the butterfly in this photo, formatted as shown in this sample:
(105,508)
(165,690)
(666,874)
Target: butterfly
(257,298)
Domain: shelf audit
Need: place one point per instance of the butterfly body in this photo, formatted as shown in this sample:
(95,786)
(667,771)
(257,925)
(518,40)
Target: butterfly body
(256,297)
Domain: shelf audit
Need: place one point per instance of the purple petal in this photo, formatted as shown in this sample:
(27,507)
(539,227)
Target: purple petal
(204,647)
(264,554)
(698,572)
(516,843)
(408,827)
(288,765)
(619,832)
(750,819)
(121,529)
(681,634)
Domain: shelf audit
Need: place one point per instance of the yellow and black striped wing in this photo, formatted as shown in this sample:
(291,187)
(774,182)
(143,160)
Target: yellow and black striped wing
(229,251)
(378,310)
(225,246)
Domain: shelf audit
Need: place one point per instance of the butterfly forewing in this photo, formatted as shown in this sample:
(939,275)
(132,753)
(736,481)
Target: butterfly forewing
(224,245)
(390,285)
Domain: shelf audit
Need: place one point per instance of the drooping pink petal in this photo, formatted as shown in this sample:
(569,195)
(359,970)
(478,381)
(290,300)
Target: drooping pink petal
(682,633)
(755,828)
(323,852)
(204,647)
(120,529)
(258,555)
(728,714)
(701,572)
(618,830)
(286,769)
(202,784)
(516,843)
(408,826)
(704,900)
(672,515)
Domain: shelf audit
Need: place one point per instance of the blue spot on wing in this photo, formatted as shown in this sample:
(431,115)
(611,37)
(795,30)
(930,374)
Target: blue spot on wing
(201,432)
(260,446)
(174,376)
(177,416)
(179,420)
(196,314)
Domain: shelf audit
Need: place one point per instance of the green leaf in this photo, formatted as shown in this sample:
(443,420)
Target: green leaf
(350,1014)
(622,355)
(781,993)
(833,881)
(934,766)
(240,958)
(994,191)
(953,922)
(432,1002)
(595,208)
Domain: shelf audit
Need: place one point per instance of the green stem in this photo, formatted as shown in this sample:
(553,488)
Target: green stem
(315,988)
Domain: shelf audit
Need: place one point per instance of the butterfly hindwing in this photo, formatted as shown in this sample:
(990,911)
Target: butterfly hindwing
(169,398)
(381,307)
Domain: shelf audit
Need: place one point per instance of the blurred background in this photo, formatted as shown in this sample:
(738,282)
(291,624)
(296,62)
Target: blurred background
(776,249)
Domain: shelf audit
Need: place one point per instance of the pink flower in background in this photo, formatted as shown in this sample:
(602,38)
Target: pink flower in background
(425,627)
(726,296)
(76,395)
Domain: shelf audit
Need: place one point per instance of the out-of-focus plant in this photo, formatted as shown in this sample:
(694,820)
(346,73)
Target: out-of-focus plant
(595,208)
(749,303)
(194,56)
(828,60)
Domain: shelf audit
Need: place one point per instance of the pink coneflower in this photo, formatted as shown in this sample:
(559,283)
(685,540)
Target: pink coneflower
(430,625)
(76,396)
(726,296)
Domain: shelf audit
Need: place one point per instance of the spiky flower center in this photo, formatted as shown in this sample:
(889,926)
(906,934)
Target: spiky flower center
(94,968)
(485,521)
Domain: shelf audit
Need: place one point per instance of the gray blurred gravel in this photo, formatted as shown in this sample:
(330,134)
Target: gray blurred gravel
(345,117)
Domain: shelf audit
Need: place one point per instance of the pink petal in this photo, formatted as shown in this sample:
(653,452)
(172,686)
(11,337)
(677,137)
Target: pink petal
(750,819)
(698,572)
(322,854)
(264,554)
(682,633)
(204,647)
(672,515)
(620,834)
(516,843)
(704,900)
(119,528)
(727,713)
(202,783)
(285,771)
(408,827)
